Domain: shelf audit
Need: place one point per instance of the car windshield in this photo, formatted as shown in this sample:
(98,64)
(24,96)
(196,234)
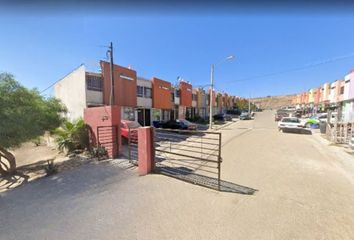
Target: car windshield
(244,114)
(186,122)
(133,125)
(291,120)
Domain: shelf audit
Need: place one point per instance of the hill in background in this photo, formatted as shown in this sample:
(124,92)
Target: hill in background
(273,102)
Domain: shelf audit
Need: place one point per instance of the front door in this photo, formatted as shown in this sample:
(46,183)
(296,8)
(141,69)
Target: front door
(147,117)
(141,116)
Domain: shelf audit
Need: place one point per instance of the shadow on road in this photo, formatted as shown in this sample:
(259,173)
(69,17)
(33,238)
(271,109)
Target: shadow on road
(298,131)
(187,175)
(29,172)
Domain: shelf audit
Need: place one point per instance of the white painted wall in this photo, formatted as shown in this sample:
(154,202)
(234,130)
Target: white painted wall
(177,100)
(142,101)
(71,90)
(346,87)
(332,93)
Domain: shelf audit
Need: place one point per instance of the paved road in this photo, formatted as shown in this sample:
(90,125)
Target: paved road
(305,190)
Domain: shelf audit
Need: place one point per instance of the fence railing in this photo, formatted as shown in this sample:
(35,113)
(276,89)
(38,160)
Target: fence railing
(340,132)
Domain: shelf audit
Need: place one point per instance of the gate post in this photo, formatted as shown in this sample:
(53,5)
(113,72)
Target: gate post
(146,158)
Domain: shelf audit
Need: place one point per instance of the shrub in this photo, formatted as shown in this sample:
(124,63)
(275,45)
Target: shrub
(72,136)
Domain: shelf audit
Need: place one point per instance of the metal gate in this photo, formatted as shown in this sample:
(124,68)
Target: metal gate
(133,146)
(193,156)
(107,137)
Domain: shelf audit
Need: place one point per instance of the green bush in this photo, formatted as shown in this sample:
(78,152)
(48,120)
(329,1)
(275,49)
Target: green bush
(72,136)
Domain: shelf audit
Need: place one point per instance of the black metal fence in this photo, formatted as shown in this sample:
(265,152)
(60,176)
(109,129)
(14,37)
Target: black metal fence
(188,154)
(133,146)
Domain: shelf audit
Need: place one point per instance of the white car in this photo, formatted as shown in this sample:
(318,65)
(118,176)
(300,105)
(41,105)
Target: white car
(289,123)
(323,117)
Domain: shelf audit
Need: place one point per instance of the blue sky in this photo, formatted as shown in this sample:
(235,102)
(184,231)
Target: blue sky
(40,49)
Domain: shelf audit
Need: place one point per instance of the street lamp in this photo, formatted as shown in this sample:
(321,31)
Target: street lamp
(212,87)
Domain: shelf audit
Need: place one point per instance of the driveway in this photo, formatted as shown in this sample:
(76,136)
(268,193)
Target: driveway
(305,190)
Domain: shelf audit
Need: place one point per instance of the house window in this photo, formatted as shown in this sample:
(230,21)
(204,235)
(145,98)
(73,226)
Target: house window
(139,91)
(178,92)
(194,97)
(342,90)
(172,97)
(128,113)
(93,83)
(147,92)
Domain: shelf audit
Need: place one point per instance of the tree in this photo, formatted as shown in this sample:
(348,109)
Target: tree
(242,104)
(24,115)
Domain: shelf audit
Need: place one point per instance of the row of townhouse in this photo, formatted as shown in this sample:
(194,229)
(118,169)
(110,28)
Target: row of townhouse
(338,95)
(141,99)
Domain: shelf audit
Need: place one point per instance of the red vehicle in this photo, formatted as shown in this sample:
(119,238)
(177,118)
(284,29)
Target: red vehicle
(129,126)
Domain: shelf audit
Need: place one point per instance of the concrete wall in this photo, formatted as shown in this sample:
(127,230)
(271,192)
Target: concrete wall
(94,97)
(350,76)
(325,92)
(333,93)
(71,90)
(340,84)
(104,116)
(311,96)
(143,101)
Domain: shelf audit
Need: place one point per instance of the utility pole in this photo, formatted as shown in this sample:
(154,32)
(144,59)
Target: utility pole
(211,97)
(249,105)
(111,101)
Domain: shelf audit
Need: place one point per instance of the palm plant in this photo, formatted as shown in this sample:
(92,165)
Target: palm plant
(72,136)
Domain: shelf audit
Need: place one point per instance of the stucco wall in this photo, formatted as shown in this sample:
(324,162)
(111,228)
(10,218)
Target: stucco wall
(333,92)
(143,101)
(94,97)
(71,91)
(350,76)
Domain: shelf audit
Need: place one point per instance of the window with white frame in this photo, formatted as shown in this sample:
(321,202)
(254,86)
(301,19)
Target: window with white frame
(147,92)
(139,91)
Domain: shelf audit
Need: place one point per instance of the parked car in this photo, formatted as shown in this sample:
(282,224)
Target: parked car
(170,124)
(132,126)
(186,125)
(219,118)
(234,112)
(308,122)
(157,124)
(227,117)
(179,124)
(280,115)
(287,123)
(351,144)
(323,117)
(245,116)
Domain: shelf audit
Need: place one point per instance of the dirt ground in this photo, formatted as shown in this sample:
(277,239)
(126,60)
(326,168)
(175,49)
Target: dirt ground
(29,153)
(304,189)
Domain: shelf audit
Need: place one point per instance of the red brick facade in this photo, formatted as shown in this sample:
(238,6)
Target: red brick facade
(186,94)
(124,85)
(161,94)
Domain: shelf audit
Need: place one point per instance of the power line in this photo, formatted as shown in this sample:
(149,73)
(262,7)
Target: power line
(294,69)
(59,80)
